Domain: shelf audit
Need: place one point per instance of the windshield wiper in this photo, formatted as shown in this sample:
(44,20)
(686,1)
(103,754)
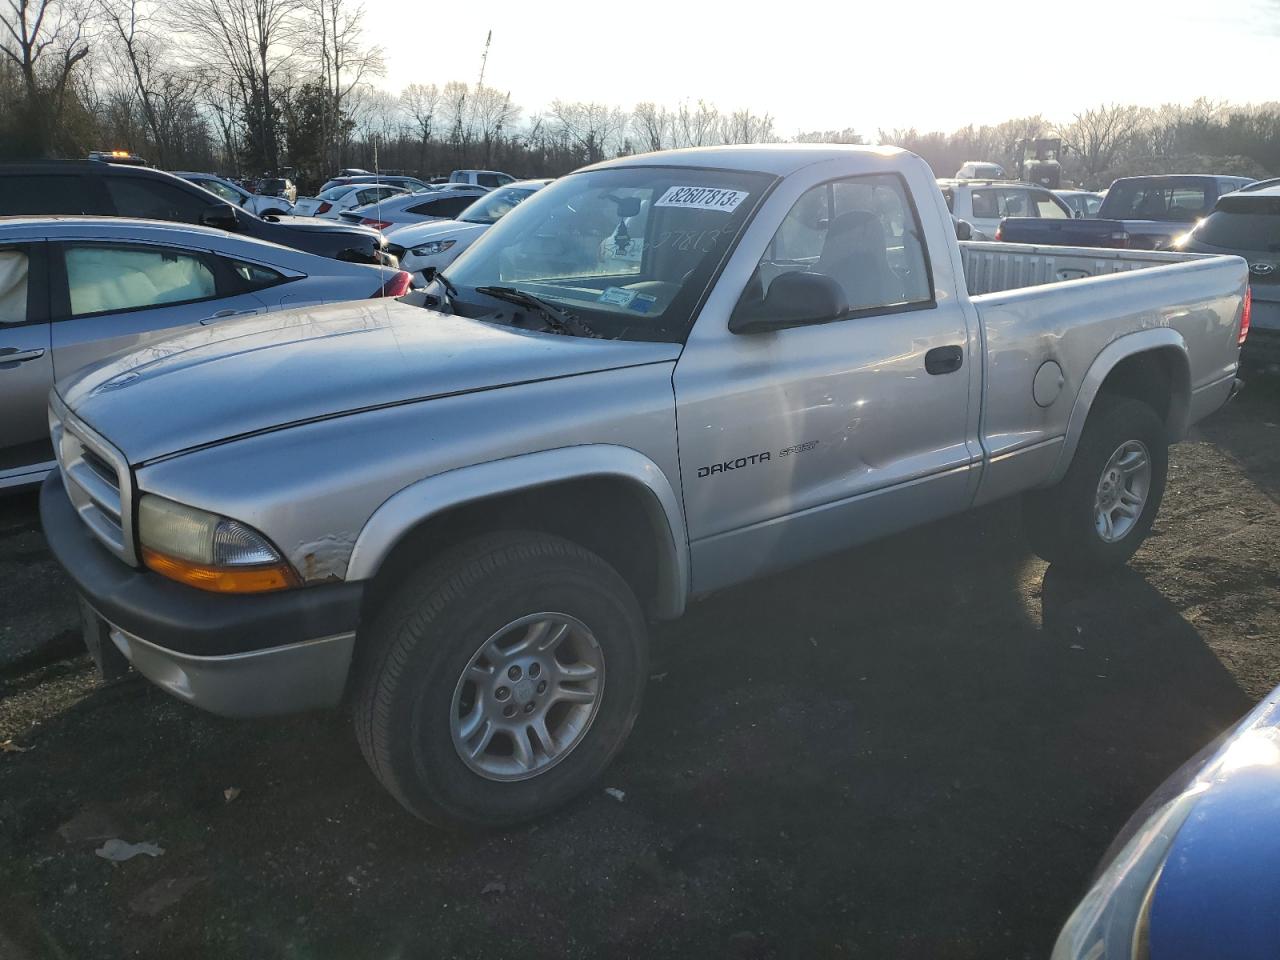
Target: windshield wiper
(557,318)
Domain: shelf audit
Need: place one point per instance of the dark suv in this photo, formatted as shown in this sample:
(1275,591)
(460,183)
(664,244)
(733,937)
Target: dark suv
(113,190)
(1247,223)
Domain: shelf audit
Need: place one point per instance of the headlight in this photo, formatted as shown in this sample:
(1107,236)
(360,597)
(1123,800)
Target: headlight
(432,248)
(1112,921)
(207,551)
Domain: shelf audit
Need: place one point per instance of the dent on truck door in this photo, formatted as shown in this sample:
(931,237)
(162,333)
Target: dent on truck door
(804,440)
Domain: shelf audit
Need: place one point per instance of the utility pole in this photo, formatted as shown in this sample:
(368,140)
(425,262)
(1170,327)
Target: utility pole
(484,61)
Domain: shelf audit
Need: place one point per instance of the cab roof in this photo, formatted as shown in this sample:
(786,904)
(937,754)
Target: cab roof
(779,159)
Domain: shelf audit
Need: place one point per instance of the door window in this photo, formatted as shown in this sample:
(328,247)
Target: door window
(861,232)
(253,276)
(49,195)
(984,204)
(1046,206)
(1012,203)
(14,269)
(106,279)
(154,200)
(488,180)
(222,190)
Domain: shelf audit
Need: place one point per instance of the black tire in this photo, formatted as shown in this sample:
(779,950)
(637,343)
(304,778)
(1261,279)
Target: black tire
(414,652)
(1060,521)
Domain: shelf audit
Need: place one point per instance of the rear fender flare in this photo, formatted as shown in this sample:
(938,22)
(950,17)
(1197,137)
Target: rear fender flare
(1144,341)
(434,495)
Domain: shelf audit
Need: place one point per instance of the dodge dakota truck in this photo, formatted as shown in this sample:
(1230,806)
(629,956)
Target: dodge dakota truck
(1138,213)
(657,377)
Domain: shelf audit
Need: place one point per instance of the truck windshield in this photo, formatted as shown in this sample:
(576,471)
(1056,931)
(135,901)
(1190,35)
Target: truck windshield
(629,250)
(1243,223)
(1172,199)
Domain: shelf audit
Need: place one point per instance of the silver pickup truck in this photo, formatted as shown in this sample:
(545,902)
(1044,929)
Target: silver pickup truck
(657,377)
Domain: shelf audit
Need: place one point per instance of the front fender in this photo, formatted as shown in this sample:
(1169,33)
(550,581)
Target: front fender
(1143,341)
(434,495)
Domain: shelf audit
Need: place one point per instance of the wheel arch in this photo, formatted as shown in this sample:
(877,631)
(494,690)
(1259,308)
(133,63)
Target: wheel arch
(610,499)
(1151,366)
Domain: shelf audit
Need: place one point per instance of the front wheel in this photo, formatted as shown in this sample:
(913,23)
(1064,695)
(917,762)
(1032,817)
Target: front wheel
(1102,510)
(500,680)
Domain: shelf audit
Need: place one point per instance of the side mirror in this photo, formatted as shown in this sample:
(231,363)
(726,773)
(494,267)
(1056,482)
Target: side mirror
(1079,214)
(220,215)
(964,229)
(429,275)
(795,299)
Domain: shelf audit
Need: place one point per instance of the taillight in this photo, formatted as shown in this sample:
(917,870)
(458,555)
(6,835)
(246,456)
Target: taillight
(324,208)
(376,224)
(397,286)
(1246,310)
(1000,233)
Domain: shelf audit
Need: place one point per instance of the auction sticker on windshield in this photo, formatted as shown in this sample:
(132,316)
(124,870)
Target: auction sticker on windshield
(702,198)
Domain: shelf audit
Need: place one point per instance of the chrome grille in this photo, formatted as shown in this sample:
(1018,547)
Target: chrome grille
(97,480)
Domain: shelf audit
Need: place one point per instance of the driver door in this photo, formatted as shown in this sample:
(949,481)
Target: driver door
(804,440)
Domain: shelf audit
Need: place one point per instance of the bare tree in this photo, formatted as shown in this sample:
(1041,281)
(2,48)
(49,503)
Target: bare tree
(1099,134)
(593,127)
(344,65)
(492,113)
(44,40)
(651,126)
(247,42)
(743,126)
(695,126)
(421,103)
(454,99)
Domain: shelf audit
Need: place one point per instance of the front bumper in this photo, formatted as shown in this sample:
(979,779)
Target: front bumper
(234,655)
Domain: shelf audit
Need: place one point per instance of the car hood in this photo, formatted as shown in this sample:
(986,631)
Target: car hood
(240,377)
(415,233)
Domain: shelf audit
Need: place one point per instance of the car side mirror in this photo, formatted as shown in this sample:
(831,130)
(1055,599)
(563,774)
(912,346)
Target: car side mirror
(1079,215)
(795,299)
(429,275)
(964,229)
(221,216)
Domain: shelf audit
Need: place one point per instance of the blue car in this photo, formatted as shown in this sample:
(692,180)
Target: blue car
(1196,871)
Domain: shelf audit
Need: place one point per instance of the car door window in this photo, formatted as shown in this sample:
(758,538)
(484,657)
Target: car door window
(1012,203)
(253,276)
(984,204)
(1047,207)
(1091,205)
(154,200)
(861,232)
(109,279)
(222,190)
(55,194)
(14,270)
(488,180)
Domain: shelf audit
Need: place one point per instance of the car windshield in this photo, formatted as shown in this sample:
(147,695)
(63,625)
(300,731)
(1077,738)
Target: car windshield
(1243,223)
(628,249)
(1164,198)
(492,207)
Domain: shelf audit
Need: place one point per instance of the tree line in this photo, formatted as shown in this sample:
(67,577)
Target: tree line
(251,87)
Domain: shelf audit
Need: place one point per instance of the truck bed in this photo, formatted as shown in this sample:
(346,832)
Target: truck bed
(993,267)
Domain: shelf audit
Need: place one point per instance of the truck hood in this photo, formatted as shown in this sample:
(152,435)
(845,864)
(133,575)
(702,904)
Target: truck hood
(243,376)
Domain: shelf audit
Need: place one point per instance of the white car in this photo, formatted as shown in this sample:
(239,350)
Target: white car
(424,207)
(482,178)
(331,203)
(224,189)
(984,203)
(439,243)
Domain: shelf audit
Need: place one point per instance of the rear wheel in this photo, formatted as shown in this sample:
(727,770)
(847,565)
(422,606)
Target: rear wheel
(500,680)
(1102,510)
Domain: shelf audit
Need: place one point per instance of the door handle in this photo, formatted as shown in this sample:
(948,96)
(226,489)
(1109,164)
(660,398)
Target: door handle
(10,355)
(224,314)
(944,360)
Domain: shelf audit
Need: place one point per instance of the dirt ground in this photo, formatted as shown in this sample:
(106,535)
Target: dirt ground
(917,749)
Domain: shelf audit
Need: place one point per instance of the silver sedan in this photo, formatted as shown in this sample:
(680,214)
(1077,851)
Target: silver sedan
(76,289)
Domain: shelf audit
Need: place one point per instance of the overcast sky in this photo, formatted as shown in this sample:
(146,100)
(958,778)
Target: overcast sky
(848,64)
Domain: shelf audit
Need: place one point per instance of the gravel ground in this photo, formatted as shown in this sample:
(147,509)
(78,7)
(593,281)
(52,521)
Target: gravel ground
(916,749)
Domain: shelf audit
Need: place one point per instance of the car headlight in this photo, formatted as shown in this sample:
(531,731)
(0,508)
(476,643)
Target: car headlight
(1112,922)
(432,248)
(207,551)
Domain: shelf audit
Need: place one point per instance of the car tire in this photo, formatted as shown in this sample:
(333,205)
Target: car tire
(1097,516)
(460,636)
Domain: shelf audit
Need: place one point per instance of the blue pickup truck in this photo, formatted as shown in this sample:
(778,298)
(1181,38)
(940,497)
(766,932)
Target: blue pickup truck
(1139,213)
